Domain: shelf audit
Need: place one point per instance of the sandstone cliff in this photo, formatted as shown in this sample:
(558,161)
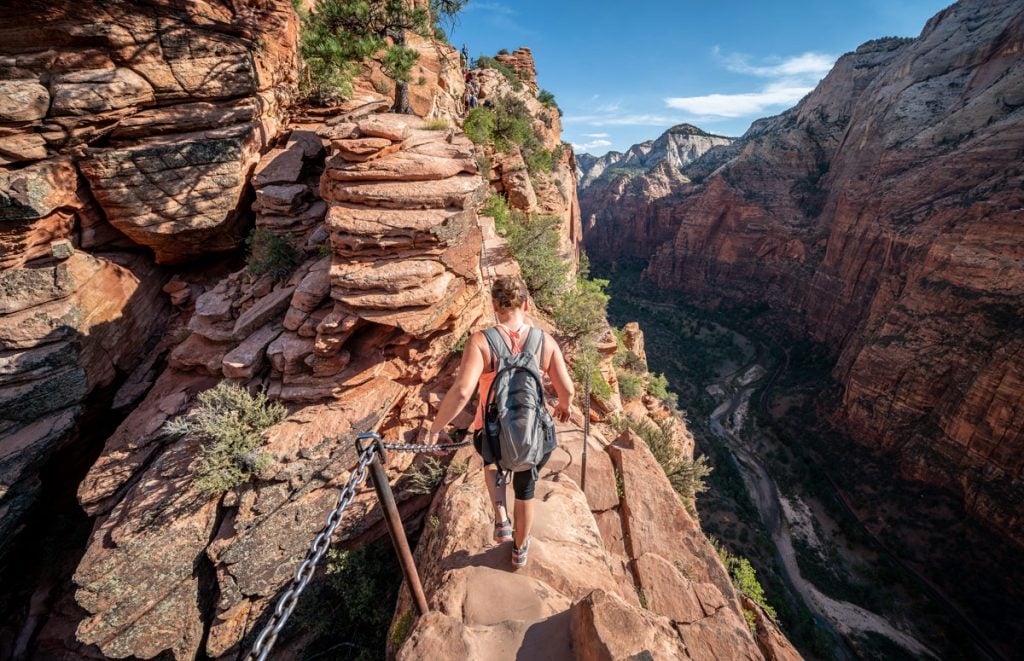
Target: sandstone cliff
(881,216)
(617,191)
(158,128)
(121,126)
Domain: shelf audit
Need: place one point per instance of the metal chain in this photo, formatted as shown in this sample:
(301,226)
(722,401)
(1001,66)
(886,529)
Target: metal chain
(286,603)
(428,449)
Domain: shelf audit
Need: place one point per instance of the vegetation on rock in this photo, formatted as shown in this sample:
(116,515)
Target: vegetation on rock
(744,579)
(485,62)
(686,475)
(229,421)
(339,35)
(270,254)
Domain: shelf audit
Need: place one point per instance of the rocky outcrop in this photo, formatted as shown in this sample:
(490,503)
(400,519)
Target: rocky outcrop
(880,215)
(163,111)
(349,340)
(677,147)
(521,61)
(611,575)
(121,125)
(67,327)
(623,196)
(550,193)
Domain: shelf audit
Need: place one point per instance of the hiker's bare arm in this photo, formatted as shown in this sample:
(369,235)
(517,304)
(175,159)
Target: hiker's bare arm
(560,379)
(462,390)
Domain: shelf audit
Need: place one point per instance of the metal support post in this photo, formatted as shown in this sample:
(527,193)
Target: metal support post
(394,521)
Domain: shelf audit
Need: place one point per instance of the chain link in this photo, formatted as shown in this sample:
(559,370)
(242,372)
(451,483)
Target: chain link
(287,602)
(440,448)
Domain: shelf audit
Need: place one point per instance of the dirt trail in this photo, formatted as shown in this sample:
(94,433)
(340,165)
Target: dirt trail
(845,617)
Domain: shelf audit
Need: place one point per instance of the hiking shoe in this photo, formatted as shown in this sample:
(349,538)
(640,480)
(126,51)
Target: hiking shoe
(503,531)
(519,554)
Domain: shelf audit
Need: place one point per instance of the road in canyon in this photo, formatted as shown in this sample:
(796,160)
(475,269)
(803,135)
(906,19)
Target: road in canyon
(841,616)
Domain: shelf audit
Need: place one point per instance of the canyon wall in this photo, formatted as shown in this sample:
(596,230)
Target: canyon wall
(617,191)
(140,139)
(127,130)
(881,215)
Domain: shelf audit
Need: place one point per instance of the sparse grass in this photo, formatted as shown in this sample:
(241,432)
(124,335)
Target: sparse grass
(425,478)
(230,422)
(458,467)
(436,124)
(496,207)
(270,254)
(403,627)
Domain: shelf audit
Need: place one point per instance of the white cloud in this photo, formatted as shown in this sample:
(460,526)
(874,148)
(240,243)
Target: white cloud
(791,79)
(806,65)
(620,120)
(595,144)
(740,105)
(595,135)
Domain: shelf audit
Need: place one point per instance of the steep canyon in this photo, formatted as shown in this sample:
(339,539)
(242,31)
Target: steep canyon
(880,217)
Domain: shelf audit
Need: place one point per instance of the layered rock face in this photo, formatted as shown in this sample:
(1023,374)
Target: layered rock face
(618,191)
(353,341)
(121,126)
(882,215)
(679,146)
(163,110)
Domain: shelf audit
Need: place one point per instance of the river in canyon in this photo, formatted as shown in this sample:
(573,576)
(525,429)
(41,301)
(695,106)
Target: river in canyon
(858,562)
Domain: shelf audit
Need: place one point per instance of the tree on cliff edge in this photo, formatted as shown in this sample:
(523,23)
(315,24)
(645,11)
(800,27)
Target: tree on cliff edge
(340,34)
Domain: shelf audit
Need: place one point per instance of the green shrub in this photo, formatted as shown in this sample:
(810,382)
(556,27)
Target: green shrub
(496,207)
(542,160)
(229,422)
(339,35)
(583,308)
(534,242)
(547,98)
(657,386)
(744,579)
(513,124)
(587,360)
(631,386)
(503,51)
(270,254)
(687,476)
(479,125)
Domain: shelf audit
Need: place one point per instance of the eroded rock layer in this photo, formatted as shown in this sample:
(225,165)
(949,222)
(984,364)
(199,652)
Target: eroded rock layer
(164,108)
(882,215)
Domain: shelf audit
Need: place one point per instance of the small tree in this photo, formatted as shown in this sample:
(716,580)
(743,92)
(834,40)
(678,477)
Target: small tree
(339,34)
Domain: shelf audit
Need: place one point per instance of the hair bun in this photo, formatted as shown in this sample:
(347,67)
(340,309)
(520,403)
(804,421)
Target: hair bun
(509,292)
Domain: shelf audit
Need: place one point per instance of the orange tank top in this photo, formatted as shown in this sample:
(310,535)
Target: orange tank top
(516,339)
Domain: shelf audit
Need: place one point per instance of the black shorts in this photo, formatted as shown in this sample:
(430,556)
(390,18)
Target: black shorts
(523,482)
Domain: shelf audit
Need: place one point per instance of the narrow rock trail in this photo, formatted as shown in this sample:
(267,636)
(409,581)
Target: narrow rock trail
(617,571)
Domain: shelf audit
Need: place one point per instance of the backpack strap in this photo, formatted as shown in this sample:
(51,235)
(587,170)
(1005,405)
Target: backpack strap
(497,344)
(535,344)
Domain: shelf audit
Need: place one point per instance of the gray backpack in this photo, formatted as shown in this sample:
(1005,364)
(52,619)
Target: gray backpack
(518,430)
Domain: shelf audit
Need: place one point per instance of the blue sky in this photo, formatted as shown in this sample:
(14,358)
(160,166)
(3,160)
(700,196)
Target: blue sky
(625,72)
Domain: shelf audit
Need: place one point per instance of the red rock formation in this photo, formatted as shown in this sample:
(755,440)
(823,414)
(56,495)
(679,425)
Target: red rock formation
(610,577)
(163,110)
(881,215)
(521,61)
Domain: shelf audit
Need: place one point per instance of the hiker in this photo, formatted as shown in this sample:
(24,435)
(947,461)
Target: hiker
(465,56)
(473,102)
(483,353)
